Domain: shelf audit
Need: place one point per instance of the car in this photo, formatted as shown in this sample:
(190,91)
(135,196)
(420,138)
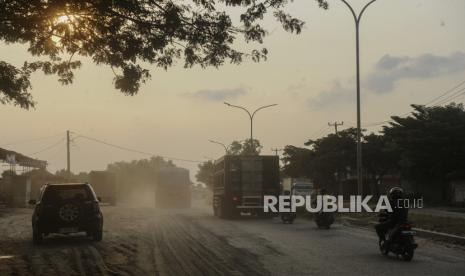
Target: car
(65,209)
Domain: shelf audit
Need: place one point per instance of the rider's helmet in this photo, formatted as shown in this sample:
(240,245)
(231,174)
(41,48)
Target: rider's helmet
(395,193)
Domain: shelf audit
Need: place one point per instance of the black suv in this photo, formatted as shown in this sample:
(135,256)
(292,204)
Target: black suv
(65,209)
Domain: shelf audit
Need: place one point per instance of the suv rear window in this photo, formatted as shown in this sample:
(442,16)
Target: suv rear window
(66,192)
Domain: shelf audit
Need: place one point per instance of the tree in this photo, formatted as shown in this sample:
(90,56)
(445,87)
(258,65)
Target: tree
(297,161)
(245,147)
(205,174)
(334,155)
(431,142)
(124,34)
(144,169)
(80,177)
(380,156)
(235,148)
(326,161)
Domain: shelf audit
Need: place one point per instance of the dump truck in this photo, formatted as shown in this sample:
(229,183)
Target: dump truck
(173,188)
(240,182)
(104,185)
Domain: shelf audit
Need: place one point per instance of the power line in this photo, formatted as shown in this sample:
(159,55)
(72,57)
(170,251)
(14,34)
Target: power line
(318,131)
(134,150)
(335,125)
(322,131)
(49,147)
(30,140)
(452,97)
(436,101)
(276,150)
(445,93)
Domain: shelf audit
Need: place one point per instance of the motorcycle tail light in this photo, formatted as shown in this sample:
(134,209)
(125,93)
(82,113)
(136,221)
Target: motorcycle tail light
(407,226)
(236,198)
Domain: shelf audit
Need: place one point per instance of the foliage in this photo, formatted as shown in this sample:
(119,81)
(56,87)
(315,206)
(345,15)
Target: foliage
(297,161)
(245,147)
(80,177)
(205,174)
(425,147)
(139,169)
(380,157)
(333,157)
(124,34)
(431,142)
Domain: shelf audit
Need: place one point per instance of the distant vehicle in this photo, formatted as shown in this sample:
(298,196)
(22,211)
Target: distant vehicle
(288,217)
(298,186)
(66,209)
(240,182)
(173,188)
(104,185)
(302,188)
(324,219)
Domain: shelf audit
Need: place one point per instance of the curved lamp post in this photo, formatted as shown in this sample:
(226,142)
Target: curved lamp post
(357,56)
(221,144)
(251,115)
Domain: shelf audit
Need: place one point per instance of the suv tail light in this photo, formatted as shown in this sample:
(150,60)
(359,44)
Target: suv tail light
(38,209)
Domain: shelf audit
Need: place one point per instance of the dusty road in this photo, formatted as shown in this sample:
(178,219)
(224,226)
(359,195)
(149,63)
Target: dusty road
(142,241)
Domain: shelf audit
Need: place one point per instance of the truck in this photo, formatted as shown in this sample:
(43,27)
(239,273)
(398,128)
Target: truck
(104,185)
(173,188)
(241,182)
(297,186)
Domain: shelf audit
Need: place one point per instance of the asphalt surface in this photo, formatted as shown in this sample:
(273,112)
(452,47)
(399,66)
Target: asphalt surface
(144,241)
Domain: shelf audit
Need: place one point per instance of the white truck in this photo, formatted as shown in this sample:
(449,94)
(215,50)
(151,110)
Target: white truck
(297,186)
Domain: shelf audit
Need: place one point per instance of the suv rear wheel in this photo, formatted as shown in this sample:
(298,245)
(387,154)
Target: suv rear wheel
(37,236)
(97,234)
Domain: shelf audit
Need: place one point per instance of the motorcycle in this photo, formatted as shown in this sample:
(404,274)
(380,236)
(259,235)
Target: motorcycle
(324,219)
(400,242)
(288,217)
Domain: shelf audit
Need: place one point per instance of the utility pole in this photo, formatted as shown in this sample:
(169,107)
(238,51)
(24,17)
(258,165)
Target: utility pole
(276,150)
(335,125)
(357,19)
(68,157)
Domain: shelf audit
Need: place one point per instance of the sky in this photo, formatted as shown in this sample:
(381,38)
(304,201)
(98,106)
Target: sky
(411,52)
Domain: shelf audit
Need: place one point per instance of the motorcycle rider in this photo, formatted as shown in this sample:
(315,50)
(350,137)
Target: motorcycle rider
(391,220)
(323,219)
(288,216)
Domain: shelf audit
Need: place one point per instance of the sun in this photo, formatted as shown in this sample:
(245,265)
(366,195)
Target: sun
(63,19)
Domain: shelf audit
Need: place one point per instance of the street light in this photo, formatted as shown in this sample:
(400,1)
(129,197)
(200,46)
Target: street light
(219,143)
(251,115)
(357,57)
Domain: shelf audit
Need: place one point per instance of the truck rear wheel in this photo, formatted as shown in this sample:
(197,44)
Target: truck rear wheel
(221,210)
(224,211)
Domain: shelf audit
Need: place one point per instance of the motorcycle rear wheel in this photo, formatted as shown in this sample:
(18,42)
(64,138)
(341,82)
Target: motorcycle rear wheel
(407,255)
(382,247)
